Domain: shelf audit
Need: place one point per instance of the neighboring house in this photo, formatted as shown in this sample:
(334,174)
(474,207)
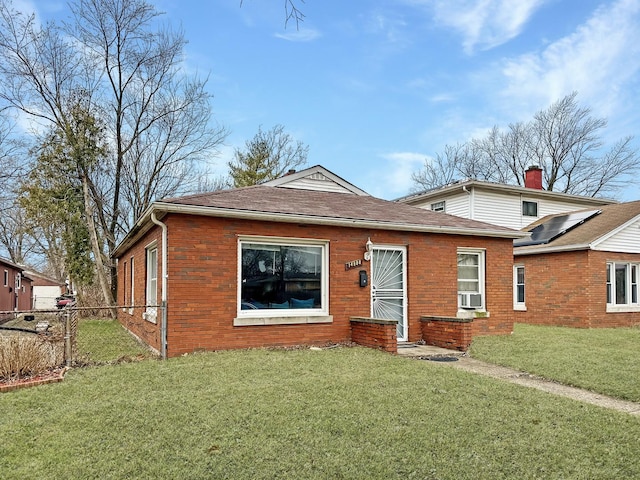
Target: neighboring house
(580,269)
(15,289)
(506,205)
(307,259)
(45,291)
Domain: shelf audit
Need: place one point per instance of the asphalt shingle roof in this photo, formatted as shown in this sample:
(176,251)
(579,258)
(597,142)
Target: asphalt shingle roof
(610,218)
(329,205)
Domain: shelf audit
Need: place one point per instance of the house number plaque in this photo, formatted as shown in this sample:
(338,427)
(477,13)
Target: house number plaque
(353,264)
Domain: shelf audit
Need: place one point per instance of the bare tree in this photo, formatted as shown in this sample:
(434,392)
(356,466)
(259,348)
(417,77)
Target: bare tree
(291,12)
(109,58)
(268,155)
(564,139)
(441,170)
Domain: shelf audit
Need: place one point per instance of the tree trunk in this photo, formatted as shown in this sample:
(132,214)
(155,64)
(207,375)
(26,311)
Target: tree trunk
(97,252)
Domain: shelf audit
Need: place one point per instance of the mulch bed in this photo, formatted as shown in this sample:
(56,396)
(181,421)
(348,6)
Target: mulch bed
(52,376)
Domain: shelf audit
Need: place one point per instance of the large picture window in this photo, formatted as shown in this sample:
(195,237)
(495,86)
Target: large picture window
(622,285)
(282,277)
(471,279)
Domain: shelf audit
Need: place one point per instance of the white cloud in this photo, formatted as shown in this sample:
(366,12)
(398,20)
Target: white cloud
(301,35)
(396,180)
(483,24)
(597,60)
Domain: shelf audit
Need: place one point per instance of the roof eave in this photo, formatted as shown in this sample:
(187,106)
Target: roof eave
(448,189)
(161,208)
(544,249)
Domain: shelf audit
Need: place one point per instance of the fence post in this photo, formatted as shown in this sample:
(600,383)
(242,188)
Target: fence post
(67,337)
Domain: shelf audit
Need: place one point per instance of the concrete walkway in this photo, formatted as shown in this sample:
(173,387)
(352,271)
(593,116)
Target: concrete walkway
(472,365)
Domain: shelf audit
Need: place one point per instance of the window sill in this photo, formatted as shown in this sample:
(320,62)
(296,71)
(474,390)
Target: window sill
(622,308)
(520,308)
(480,313)
(294,320)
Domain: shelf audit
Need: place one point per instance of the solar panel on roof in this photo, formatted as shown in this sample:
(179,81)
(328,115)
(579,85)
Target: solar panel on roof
(555,227)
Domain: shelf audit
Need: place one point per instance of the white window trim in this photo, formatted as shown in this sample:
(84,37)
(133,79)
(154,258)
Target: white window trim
(520,306)
(288,316)
(444,206)
(6,278)
(151,312)
(132,286)
(627,307)
(466,312)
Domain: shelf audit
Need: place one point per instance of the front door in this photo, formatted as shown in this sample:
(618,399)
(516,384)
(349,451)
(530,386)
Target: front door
(388,286)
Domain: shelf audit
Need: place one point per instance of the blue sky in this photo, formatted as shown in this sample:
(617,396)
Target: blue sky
(376,87)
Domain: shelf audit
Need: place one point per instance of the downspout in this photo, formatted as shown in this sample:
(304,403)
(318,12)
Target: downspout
(471,201)
(165,275)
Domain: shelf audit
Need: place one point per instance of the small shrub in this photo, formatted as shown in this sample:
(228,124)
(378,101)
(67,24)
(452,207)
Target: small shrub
(24,356)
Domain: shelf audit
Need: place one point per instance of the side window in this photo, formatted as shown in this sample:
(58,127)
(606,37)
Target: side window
(151,299)
(6,278)
(438,206)
(471,279)
(622,286)
(132,284)
(529,209)
(519,288)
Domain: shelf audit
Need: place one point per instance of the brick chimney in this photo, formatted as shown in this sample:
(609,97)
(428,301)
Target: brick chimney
(533,177)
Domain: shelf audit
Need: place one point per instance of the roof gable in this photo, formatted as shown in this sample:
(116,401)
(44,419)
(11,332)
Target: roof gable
(315,178)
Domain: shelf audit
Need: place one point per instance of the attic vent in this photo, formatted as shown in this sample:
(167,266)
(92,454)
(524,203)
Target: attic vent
(318,176)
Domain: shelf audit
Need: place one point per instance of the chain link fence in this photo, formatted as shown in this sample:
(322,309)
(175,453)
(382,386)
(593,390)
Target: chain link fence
(72,336)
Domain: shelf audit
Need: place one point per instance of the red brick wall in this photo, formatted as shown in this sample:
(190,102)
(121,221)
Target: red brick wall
(569,289)
(202,282)
(452,333)
(148,331)
(375,334)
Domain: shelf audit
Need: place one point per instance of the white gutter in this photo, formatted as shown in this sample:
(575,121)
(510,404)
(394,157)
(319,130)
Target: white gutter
(165,275)
(564,248)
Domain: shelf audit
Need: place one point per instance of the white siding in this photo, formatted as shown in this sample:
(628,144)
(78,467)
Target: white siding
(502,208)
(626,240)
(457,205)
(497,208)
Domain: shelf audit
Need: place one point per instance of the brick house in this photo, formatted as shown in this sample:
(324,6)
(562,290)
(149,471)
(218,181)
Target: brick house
(309,259)
(580,269)
(15,289)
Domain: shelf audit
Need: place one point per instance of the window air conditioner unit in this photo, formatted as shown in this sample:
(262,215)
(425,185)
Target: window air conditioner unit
(470,300)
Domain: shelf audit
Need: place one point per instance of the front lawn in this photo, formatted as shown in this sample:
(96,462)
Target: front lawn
(336,413)
(603,360)
(105,340)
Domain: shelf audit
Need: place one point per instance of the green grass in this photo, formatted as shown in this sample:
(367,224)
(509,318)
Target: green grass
(339,413)
(603,360)
(101,340)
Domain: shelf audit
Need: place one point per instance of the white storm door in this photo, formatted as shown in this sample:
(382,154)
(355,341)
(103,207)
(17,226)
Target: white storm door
(388,287)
